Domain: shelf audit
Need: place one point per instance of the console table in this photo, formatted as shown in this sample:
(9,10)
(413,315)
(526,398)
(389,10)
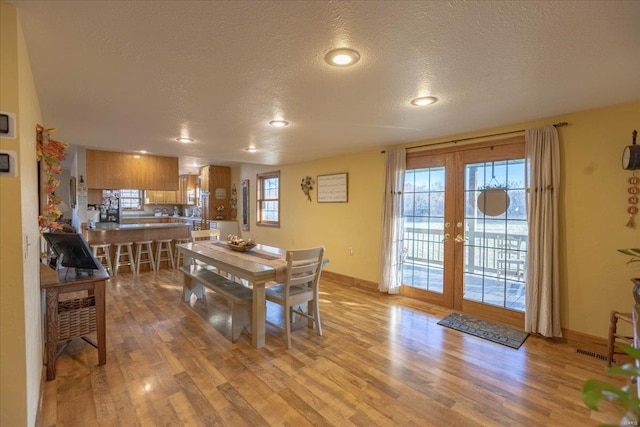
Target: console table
(67,281)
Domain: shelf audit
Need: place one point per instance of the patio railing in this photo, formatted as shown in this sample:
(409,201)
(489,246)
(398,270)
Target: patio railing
(486,253)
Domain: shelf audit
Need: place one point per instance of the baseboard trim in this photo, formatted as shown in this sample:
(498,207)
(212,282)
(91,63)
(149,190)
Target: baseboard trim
(39,414)
(577,340)
(348,280)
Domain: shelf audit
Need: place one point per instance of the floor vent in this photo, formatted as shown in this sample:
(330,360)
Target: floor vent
(592,354)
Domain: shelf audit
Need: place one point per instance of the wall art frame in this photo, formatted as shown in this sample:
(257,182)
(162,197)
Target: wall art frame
(245,204)
(333,188)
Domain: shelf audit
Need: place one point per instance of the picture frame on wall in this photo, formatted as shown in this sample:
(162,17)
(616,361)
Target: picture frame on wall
(333,188)
(72,192)
(245,204)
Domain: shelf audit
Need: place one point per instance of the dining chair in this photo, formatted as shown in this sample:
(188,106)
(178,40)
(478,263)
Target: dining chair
(198,235)
(204,235)
(301,285)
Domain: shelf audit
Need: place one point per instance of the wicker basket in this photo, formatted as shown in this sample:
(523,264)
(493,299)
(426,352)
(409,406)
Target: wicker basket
(76,317)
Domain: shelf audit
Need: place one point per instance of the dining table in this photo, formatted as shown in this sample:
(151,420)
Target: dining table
(260,265)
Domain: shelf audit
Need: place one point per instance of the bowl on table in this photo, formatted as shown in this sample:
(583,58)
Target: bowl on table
(241,247)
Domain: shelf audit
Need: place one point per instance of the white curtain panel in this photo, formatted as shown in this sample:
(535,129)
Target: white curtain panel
(392,222)
(542,315)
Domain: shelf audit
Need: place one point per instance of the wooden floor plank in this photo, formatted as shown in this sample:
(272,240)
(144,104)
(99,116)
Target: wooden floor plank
(382,360)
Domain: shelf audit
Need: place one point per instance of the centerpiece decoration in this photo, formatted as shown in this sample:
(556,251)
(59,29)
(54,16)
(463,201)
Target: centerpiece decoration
(50,152)
(239,244)
(307,185)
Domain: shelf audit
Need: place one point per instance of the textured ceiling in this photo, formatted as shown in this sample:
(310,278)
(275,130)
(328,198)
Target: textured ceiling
(135,75)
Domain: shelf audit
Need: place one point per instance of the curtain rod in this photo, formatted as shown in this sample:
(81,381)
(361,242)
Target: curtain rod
(455,141)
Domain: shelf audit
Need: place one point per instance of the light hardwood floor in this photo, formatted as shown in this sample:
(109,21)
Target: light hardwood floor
(383,360)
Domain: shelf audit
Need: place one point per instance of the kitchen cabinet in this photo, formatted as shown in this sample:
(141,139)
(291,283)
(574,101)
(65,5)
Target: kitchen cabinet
(111,169)
(204,178)
(155,197)
(94,197)
(215,192)
(187,189)
(185,195)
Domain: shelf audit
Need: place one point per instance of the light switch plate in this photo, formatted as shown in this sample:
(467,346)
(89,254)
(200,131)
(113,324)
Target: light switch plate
(8,163)
(7,125)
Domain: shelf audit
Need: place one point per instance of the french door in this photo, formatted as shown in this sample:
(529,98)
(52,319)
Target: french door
(465,232)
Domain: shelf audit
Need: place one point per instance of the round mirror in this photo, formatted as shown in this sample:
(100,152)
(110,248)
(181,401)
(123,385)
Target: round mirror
(493,201)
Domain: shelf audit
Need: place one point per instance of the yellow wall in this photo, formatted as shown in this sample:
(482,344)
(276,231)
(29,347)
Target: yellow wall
(338,226)
(593,217)
(20,307)
(594,277)
(593,202)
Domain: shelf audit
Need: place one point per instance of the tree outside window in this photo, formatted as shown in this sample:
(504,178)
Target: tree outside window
(268,199)
(131,200)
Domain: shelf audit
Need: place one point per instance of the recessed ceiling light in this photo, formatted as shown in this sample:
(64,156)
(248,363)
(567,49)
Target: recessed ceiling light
(143,151)
(279,123)
(251,149)
(425,100)
(184,139)
(342,57)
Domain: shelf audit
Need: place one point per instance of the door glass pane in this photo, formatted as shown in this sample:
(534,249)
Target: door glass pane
(424,228)
(496,244)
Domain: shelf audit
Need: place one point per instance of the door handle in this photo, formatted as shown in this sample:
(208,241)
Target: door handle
(460,238)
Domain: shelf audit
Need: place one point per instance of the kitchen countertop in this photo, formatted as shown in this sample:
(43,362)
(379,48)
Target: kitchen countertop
(115,226)
(163,216)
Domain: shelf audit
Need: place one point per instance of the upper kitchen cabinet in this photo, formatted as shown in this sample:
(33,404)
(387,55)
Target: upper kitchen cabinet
(187,191)
(114,170)
(159,197)
(215,192)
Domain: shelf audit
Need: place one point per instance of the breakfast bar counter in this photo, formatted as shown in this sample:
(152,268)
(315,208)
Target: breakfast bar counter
(115,233)
(111,226)
(118,233)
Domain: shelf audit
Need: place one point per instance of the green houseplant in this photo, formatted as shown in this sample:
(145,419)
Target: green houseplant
(626,397)
(634,253)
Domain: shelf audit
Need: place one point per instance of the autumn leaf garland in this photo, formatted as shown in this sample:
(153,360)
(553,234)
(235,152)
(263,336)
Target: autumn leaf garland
(51,153)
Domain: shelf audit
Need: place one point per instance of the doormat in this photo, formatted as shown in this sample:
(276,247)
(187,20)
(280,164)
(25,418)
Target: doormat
(489,331)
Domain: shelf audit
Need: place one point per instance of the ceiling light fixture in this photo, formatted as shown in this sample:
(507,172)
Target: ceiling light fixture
(343,57)
(251,149)
(425,100)
(184,139)
(279,123)
(143,151)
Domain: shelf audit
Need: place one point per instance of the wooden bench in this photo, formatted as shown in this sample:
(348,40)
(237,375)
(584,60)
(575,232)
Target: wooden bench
(240,297)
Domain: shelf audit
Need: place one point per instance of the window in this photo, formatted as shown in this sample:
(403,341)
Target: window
(268,199)
(131,200)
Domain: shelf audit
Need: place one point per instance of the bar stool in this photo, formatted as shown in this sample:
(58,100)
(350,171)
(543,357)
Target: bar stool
(614,335)
(143,247)
(177,254)
(127,253)
(163,252)
(101,252)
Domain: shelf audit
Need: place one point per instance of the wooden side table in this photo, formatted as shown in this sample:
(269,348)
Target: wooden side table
(67,281)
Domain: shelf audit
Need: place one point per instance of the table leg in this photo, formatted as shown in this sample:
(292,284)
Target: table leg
(100,323)
(51,296)
(259,315)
